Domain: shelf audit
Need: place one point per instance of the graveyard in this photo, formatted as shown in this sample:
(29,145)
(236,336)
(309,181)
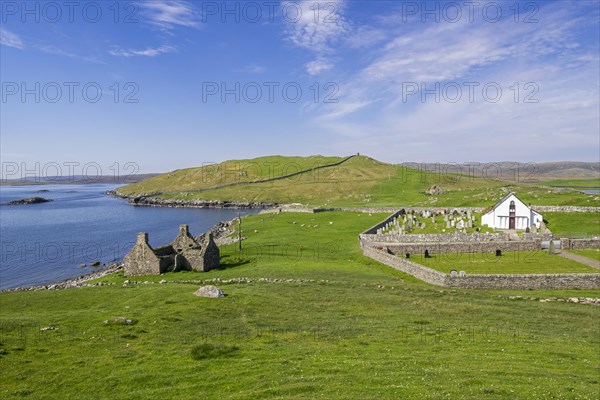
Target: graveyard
(436,221)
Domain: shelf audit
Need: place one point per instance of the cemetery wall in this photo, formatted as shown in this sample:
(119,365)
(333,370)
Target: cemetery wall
(576,244)
(541,209)
(525,281)
(486,281)
(463,247)
(401,264)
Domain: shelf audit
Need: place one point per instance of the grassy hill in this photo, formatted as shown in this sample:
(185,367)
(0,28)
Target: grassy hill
(359,181)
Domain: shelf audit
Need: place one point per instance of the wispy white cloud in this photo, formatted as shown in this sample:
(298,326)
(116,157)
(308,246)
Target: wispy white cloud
(251,69)
(365,36)
(373,116)
(318,66)
(147,52)
(55,50)
(167,14)
(10,39)
(319,26)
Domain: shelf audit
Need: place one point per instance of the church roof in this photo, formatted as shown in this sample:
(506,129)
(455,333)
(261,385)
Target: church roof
(502,200)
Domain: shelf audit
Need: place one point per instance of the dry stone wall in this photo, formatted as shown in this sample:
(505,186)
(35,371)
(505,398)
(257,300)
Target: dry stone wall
(486,281)
(577,244)
(462,247)
(566,209)
(525,281)
(401,264)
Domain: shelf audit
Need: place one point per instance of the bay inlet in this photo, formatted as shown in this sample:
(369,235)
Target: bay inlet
(46,243)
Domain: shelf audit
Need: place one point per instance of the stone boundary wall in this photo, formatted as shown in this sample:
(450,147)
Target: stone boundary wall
(373,230)
(525,281)
(486,281)
(576,244)
(433,237)
(401,264)
(458,247)
(566,209)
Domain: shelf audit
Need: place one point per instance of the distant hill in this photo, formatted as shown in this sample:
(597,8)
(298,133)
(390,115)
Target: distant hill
(324,181)
(522,172)
(77,180)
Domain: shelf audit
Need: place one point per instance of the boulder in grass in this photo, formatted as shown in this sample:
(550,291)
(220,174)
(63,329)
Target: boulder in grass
(209,291)
(435,190)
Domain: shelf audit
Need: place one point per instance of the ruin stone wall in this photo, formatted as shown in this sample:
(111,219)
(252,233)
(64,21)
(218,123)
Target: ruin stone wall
(141,260)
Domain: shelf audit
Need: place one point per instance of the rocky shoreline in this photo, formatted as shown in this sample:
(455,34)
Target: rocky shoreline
(221,233)
(71,282)
(151,201)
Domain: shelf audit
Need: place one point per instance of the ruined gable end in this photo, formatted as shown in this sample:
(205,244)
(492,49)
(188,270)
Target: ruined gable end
(184,240)
(141,260)
(212,255)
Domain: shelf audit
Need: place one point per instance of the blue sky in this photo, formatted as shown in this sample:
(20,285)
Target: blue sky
(400,81)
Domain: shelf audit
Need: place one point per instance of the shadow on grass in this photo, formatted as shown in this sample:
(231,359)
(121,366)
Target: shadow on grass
(228,262)
(206,351)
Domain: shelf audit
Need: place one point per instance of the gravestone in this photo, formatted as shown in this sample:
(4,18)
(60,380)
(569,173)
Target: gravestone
(551,248)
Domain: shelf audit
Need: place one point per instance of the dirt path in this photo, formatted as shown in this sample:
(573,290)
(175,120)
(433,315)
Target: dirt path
(580,259)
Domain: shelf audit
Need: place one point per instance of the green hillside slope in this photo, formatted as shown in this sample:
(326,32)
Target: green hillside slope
(357,181)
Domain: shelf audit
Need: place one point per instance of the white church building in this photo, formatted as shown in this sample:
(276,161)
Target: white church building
(511,213)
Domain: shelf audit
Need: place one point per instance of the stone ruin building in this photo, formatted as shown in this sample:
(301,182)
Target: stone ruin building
(184,253)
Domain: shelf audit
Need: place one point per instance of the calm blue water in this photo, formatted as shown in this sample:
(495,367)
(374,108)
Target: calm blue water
(43,243)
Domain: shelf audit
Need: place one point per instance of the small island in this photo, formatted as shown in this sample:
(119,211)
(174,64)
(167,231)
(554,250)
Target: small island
(28,200)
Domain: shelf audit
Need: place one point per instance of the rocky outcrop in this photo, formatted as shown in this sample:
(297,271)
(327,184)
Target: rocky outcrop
(28,200)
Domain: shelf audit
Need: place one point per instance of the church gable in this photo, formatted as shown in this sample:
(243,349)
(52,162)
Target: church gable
(511,213)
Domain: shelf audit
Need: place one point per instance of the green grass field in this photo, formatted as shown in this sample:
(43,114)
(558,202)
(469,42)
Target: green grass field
(360,182)
(594,254)
(361,330)
(573,224)
(572,182)
(533,262)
